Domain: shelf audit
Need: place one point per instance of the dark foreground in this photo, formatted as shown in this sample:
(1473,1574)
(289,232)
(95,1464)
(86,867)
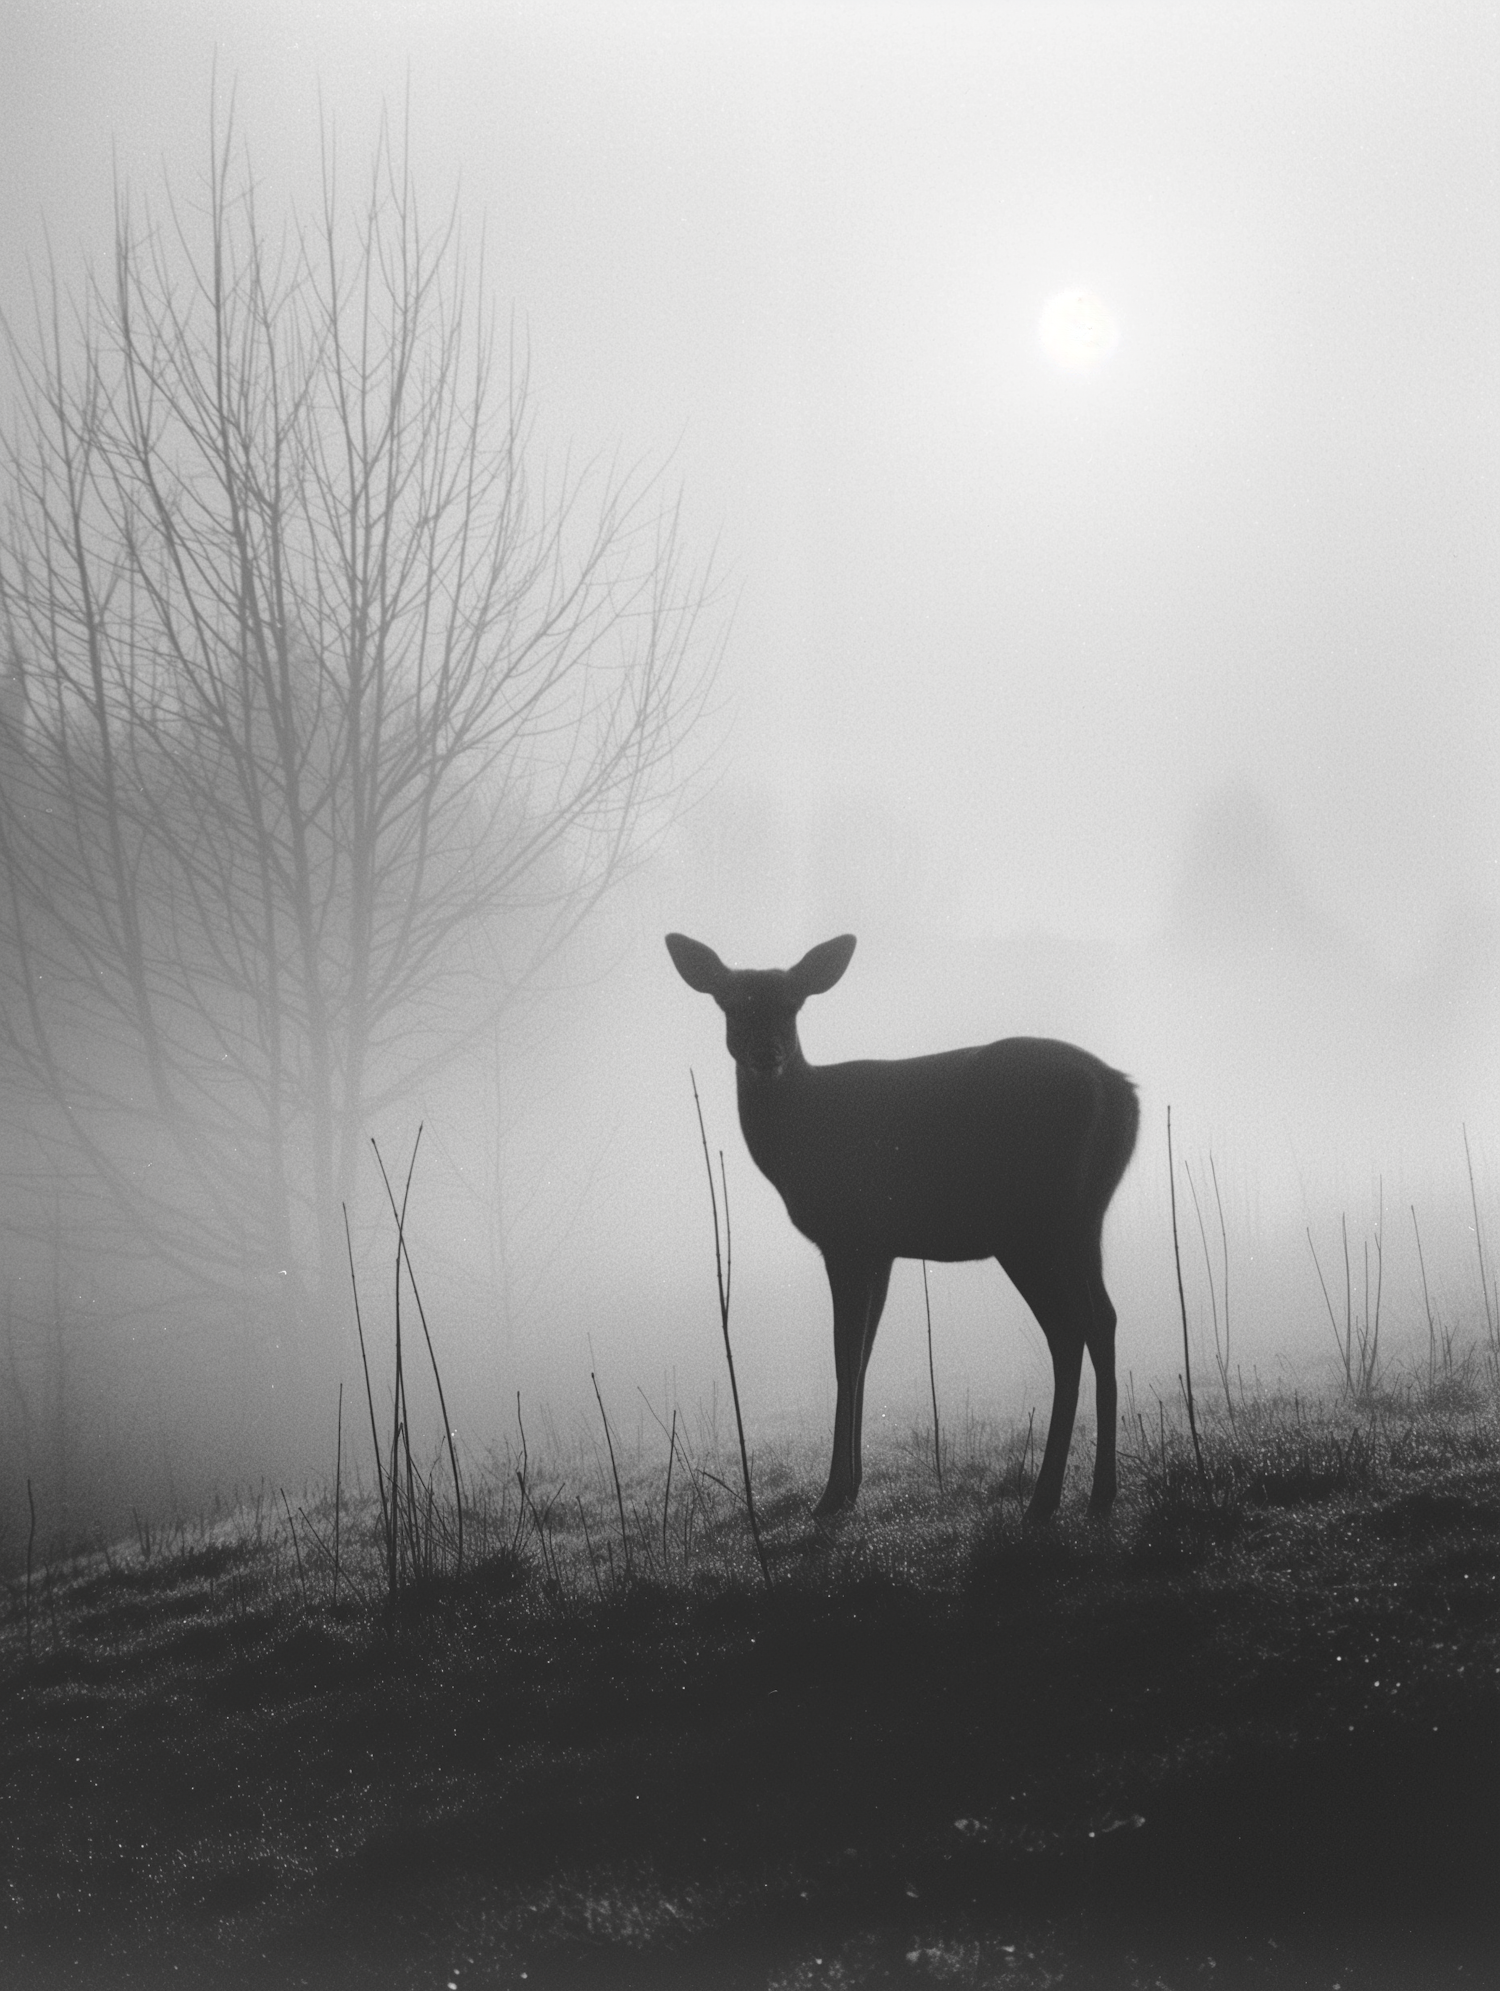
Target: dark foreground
(1250,1735)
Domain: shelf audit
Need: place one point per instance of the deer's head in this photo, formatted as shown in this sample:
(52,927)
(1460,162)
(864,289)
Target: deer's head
(760,1004)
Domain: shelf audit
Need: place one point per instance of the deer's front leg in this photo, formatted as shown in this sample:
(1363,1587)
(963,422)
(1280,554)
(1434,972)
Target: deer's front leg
(858,1289)
(879,1283)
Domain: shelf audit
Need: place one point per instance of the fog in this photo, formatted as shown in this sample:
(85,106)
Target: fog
(1151,704)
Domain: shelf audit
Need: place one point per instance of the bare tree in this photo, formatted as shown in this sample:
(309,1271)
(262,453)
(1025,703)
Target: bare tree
(324,723)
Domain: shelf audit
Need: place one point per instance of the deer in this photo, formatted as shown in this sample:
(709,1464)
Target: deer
(1010,1150)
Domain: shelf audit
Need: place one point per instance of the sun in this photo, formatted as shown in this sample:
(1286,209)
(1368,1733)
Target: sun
(1077,330)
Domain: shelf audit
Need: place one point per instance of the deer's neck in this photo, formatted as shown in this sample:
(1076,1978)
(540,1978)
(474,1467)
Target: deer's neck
(767,1108)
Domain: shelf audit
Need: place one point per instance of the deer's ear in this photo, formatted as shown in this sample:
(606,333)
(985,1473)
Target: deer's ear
(821,966)
(698,965)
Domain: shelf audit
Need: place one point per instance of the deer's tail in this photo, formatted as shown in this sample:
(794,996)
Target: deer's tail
(1110,1141)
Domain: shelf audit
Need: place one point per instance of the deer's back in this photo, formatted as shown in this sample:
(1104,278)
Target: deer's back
(948,1156)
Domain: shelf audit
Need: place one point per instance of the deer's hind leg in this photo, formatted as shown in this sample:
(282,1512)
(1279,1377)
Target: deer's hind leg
(859,1288)
(1100,1338)
(1059,1295)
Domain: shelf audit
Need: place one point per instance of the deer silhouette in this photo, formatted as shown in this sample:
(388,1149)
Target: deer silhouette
(1009,1150)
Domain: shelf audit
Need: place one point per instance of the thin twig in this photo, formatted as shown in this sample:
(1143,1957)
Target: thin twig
(385,1517)
(1187,1358)
(1427,1304)
(338,1494)
(1207,1264)
(937,1447)
(1368,1381)
(398,1405)
(588,1544)
(1364,1326)
(666,1499)
(1327,1301)
(296,1550)
(1484,1285)
(619,1496)
(405,1254)
(521,1478)
(1348,1307)
(1224,1243)
(723,1267)
(1023,1464)
(30,1545)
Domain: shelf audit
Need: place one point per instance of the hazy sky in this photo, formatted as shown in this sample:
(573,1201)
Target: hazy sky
(1033,618)
(1001,633)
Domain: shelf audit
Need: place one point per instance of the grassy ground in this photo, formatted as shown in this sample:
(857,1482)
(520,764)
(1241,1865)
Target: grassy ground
(1249,1734)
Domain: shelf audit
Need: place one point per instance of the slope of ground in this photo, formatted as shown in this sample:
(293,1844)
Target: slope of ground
(1247,1734)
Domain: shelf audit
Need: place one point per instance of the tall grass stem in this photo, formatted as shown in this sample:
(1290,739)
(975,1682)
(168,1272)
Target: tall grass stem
(615,1471)
(1187,1358)
(937,1442)
(338,1493)
(723,1274)
(1492,1340)
(296,1546)
(1427,1304)
(1224,1246)
(403,1254)
(386,1518)
(30,1545)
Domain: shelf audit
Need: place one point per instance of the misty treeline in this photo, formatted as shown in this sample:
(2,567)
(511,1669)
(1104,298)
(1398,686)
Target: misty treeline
(327,714)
